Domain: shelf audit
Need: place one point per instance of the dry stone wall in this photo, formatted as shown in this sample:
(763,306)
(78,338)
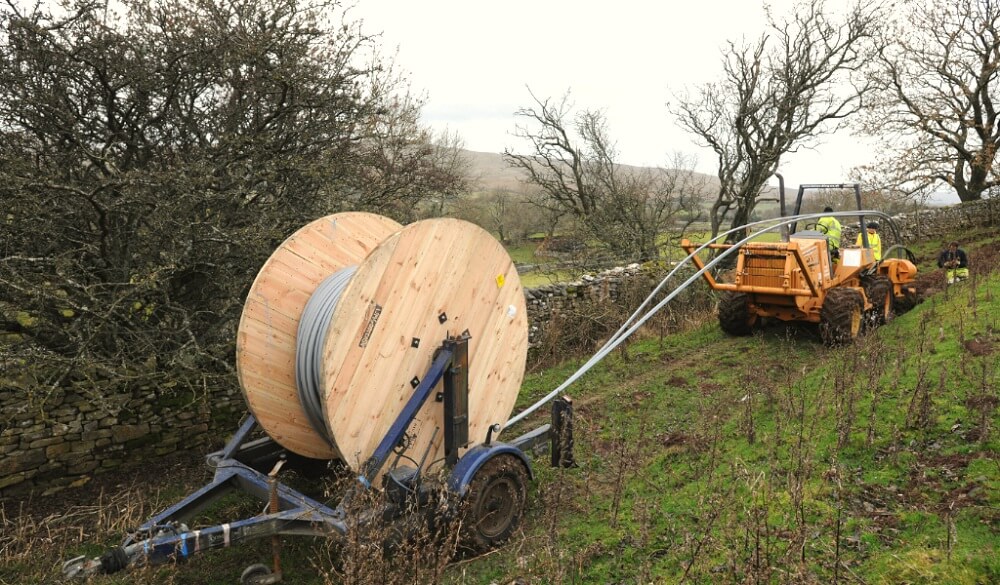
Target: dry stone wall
(53,438)
(939,222)
(607,287)
(56,438)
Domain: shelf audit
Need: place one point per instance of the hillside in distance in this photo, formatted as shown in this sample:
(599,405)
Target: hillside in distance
(491,172)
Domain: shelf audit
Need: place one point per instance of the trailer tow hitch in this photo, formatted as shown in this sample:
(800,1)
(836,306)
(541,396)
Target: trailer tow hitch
(119,557)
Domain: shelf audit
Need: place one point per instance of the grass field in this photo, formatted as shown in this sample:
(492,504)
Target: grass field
(701,458)
(524,254)
(771,459)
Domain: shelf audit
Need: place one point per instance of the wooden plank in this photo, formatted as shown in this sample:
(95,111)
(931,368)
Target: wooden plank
(265,345)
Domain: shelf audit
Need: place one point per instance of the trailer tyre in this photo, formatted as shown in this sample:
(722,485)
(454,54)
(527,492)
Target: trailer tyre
(840,316)
(735,317)
(878,289)
(255,575)
(495,503)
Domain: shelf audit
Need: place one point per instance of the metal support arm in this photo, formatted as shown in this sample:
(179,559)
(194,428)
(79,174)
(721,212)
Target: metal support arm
(166,537)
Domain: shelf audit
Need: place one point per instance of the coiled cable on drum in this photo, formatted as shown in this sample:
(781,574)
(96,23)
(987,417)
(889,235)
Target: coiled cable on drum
(310,338)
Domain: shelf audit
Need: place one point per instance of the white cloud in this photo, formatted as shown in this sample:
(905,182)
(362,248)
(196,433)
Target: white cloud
(475,60)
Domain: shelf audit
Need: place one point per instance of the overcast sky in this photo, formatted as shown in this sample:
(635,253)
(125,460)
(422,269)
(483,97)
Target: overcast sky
(476,60)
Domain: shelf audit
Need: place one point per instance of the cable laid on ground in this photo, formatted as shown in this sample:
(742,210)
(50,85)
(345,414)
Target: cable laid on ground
(309,340)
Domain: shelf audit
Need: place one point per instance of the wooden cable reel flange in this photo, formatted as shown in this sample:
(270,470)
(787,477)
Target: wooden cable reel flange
(412,287)
(265,343)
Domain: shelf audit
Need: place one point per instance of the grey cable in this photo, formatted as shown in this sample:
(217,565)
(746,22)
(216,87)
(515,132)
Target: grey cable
(315,322)
(624,332)
(722,235)
(313,326)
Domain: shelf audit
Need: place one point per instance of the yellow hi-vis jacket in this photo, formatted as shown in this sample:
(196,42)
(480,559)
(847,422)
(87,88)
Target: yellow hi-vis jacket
(831,229)
(875,242)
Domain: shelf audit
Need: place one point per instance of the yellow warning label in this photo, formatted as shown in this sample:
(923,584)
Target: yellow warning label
(499,281)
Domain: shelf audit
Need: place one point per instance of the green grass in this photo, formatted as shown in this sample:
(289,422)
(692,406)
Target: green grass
(712,459)
(897,497)
(524,253)
(700,237)
(926,249)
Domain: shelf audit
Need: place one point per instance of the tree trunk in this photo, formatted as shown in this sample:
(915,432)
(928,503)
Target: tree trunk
(740,218)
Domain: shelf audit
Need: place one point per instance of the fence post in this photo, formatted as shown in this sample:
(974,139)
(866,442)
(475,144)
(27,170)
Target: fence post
(562,432)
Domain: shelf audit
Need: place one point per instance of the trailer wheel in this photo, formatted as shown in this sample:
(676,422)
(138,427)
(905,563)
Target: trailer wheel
(255,575)
(495,503)
(878,289)
(840,316)
(735,317)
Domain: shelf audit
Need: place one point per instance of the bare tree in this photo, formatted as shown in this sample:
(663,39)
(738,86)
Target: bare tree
(574,164)
(402,168)
(796,82)
(150,162)
(938,79)
(448,172)
(889,190)
(548,211)
(498,211)
(506,212)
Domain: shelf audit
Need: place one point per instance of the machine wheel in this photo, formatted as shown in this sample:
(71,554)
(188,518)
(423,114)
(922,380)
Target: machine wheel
(494,503)
(840,316)
(735,317)
(255,575)
(878,289)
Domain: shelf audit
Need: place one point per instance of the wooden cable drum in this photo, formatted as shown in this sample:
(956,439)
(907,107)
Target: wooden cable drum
(431,279)
(265,344)
(419,284)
